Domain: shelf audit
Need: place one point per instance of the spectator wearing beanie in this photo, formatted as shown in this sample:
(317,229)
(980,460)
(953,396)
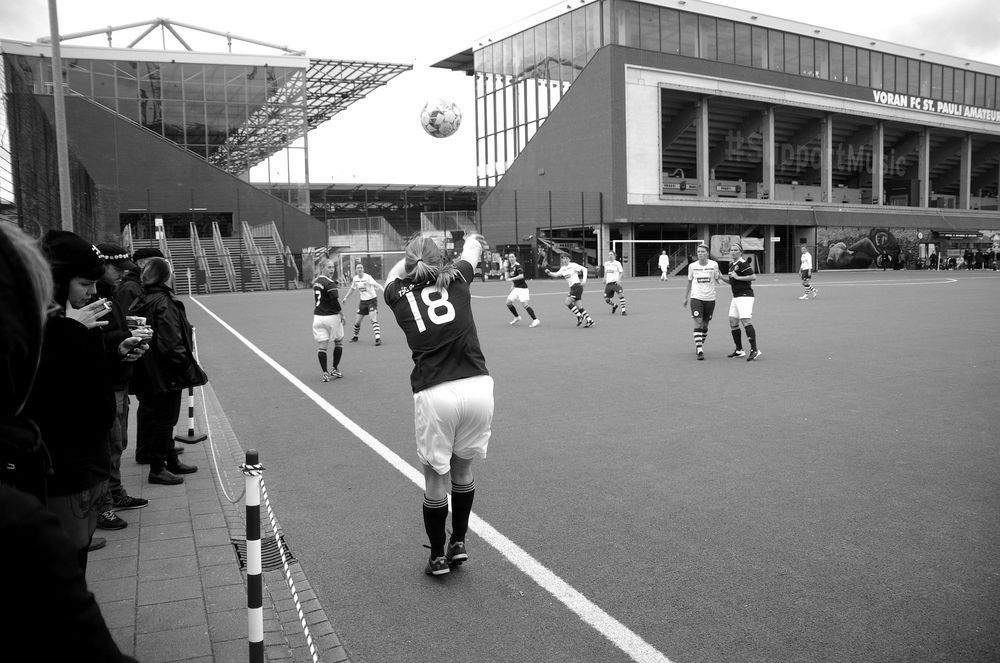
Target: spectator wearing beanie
(164,372)
(72,400)
(129,290)
(116,264)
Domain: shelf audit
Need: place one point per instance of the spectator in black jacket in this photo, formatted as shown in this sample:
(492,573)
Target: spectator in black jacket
(116,264)
(72,400)
(129,290)
(164,372)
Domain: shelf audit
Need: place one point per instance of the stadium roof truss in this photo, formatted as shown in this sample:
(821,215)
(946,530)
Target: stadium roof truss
(330,87)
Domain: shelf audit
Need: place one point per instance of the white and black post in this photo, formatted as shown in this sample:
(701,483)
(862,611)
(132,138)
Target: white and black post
(191,437)
(255,582)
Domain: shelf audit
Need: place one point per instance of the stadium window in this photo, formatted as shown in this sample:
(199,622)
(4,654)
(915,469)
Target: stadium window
(991,92)
(902,83)
(670,30)
(689,34)
(627,20)
(566,46)
(758,47)
(913,82)
(593,16)
(925,79)
(980,90)
(649,27)
(517,54)
(792,54)
(708,48)
(580,52)
(743,46)
(888,73)
(936,75)
(970,88)
(488,59)
(958,88)
(541,52)
(822,59)
(948,84)
(552,52)
(806,63)
(726,41)
(837,63)
(850,65)
(776,50)
(864,67)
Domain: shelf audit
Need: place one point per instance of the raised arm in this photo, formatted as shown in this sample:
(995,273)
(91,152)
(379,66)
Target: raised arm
(472,252)
(397,271)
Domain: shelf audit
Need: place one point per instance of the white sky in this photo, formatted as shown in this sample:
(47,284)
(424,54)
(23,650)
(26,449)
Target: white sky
(379,139)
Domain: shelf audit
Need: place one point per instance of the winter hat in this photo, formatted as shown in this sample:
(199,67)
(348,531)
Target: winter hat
(146,253)
(71,255)
(117,256)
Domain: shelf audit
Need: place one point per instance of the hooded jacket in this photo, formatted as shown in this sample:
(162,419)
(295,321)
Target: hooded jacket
(169,365)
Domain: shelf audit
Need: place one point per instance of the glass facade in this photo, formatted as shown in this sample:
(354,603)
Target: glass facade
(234,116)
(521,78)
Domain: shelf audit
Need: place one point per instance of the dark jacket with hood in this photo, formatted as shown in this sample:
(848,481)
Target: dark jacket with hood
(169,365)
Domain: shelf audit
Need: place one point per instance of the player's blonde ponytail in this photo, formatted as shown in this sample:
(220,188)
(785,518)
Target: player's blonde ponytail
(424,263)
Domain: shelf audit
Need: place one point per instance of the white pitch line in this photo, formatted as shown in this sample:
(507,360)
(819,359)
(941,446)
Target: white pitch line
(617,633)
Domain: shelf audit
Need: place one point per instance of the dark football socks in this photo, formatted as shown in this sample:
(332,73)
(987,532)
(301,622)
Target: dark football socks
(338,350)
(751,336)
(461,506)
(435,517)
(737,338)
(322,360)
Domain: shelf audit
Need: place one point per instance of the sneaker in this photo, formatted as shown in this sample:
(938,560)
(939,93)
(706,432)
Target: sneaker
(614,307)
(456,554)
(515,320)
(754,354)
(590,323)
(96,543)
(354,339)
(335,373)
(700,353)
(437,566)
(736,353)
(805,296)
(814,291)
(326,377)
(624,313)
(128,502)
(378,341)
(535,322)
(110,520)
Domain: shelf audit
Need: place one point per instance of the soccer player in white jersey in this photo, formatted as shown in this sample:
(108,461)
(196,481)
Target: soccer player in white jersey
(367,288)
(576,277)
(703,276)
(328,320)
(518,291)
(805,271)
(613,275)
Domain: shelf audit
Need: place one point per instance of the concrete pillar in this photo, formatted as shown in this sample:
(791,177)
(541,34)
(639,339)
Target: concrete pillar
(965,183)
(878,163)
(924,168)
(826,159)
(701,145)
(767,147)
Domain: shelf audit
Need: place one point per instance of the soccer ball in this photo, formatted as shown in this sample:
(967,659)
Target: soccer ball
(440,118)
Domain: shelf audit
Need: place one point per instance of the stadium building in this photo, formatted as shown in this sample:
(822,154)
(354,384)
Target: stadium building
(661,124)
(161,145)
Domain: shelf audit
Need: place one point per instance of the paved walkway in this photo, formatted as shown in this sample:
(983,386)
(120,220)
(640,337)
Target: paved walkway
(170,585)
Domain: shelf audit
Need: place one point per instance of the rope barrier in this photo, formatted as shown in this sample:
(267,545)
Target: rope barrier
(288,573)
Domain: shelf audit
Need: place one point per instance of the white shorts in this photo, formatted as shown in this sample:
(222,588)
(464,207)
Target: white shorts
(742,307)
(453,418)
(326,327)
(518,295)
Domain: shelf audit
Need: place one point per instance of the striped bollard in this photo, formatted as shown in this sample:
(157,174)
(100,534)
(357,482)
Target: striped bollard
(191,437)
(255,582)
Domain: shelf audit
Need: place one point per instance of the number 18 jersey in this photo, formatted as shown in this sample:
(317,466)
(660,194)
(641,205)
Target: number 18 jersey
(439,329)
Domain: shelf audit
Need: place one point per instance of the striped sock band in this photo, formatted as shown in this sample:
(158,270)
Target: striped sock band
(376,329)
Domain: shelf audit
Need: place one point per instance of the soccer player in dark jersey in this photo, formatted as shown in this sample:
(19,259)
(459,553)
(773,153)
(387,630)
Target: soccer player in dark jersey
(328,320)
(741,275)
(519,292)
(452,390)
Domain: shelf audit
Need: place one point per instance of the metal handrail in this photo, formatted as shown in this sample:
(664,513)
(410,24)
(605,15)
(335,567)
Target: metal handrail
(200,257)
(224,257)
(256,256)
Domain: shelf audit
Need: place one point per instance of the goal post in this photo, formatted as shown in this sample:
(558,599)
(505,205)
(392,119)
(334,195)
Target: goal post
(377,263)
(644,257)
